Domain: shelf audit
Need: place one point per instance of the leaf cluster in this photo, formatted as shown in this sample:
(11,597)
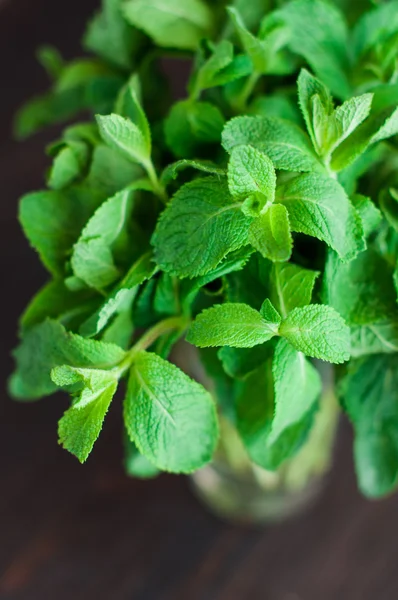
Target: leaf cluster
(257,218)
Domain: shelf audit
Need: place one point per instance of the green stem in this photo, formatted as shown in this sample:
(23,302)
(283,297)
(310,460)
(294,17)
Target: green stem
(157,186)
(165,326)
(157,331)
(240,104)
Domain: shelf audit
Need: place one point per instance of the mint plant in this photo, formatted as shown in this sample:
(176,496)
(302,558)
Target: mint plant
(256,218)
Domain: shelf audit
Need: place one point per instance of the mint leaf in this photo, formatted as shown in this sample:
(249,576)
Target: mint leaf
(285,143)
(81,424)
(263,52)
(375,27)
(369,392)
(318,331)
(122,296)
(370,215)
(136,464)
(389,205)
(235,325)
(200,226)
(318,206)
(172,171)
(380,337)
(327,55)
(49,345)
(92,259)
(56,301)
(362,291)
(251,284)
(297,388)
(235,261)
(241,362)
(251,172)
(255,414)
(170,417)
(291,287)
(327,126)
(309,87)
(278,105)
(69,165)
(126,137)
(220,68)
(192,125)
(109,35)
(52,222)
(379,126)
(110,171)
(171,23)
(270,234)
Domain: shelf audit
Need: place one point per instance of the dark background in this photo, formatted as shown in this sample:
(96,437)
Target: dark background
(68,531)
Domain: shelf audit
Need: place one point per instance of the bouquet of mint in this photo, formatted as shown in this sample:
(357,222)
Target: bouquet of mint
(256,218)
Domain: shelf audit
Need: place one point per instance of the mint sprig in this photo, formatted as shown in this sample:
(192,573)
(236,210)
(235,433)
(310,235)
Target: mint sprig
(256,220)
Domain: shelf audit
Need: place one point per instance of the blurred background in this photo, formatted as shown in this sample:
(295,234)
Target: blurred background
(68,531)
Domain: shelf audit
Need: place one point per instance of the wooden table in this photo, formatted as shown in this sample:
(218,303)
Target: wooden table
(68,531)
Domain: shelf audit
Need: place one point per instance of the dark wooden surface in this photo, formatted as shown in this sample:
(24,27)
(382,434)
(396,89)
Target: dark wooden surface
(68,531)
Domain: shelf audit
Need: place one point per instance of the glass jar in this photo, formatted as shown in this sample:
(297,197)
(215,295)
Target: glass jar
(235,488)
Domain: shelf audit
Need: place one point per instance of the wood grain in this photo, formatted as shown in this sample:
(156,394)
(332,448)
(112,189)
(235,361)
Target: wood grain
(85,533)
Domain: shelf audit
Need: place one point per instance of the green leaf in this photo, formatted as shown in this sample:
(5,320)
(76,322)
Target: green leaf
(318,331)
(92,259)
(235,261)
(389,205)
(270,234)
(135,464)
(200,226)
(278,105)
(378,127)
(307,21)
(362,291)
(255,414)
(56,301)
(69,164)
(126,137)
(370,215)
(375,27)
(297,388)
(171,23)
(109,35)
(128,105)
(110,172)
(241,362)
(285,143)
(251,172)
(49,345)
(51,60)
(369,392)
(172,171)
(191,125)
(81,424)
(170,417)
(291,287)
(380,337)
(251,284)
(83,85)
(52,222)
(327,126)
(219,69)
(235,325)
(262,52)
(309,87)
(318,206)
(122,296)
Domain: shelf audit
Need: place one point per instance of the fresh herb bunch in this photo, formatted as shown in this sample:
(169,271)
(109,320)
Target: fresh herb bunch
(243,217)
